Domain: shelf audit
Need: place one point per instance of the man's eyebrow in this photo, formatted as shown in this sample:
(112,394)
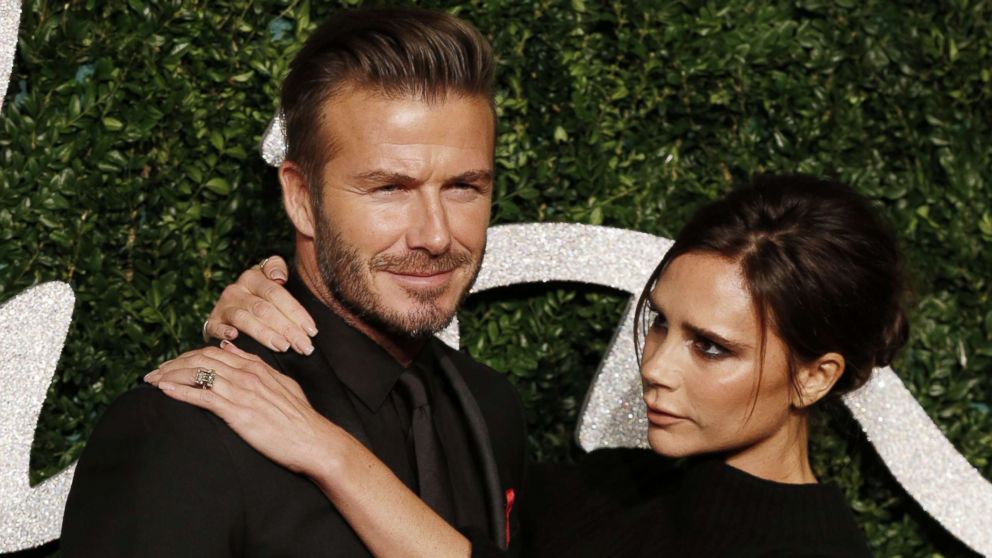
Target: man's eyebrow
(383,176)
(481,175)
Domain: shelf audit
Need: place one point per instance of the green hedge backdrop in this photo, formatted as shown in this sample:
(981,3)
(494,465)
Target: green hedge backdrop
(129,169)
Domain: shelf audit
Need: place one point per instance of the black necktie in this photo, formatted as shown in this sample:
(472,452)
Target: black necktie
(432,475)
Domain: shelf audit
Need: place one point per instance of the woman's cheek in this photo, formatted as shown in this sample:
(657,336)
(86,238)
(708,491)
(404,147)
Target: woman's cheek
(722,394)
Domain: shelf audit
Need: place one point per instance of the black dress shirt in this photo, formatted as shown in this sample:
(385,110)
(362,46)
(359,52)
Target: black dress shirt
(160,477)
(370,375)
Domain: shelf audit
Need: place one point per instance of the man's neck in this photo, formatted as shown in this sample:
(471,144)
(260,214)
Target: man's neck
(403,350)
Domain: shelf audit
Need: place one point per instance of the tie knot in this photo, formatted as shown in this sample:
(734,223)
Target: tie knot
(414,387)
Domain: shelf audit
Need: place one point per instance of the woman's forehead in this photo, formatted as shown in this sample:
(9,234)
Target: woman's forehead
(707,288)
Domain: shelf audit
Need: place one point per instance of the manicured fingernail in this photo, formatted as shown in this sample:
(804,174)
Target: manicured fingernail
(151,375)
(165,386)
(230,333)
(278,276)
(311,331)
(224,343)
(308,350)
(282,346)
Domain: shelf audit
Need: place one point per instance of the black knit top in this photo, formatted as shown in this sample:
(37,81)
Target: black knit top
(630,503)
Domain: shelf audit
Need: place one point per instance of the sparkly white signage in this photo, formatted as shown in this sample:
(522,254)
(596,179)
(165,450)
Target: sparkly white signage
(10,16)
(33,326)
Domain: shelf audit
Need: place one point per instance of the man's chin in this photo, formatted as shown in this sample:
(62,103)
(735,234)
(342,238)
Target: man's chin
(418,320)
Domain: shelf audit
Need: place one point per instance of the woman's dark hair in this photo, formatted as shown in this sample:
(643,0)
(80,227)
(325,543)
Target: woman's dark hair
(821,267)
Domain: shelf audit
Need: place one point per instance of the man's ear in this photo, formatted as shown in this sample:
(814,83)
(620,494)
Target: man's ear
(815,379)
(296,197)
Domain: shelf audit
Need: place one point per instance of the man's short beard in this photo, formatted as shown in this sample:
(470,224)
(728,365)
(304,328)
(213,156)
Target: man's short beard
(348,279)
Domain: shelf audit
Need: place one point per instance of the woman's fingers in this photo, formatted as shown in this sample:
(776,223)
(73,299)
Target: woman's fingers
(263,309)
(261,285)
(213,328)
(265,323)
(248,373)
(187,377)
(275,268)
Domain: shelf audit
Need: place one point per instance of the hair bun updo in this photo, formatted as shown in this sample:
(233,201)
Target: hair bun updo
(822,268)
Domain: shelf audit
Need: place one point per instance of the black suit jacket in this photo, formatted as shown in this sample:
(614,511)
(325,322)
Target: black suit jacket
(163,478)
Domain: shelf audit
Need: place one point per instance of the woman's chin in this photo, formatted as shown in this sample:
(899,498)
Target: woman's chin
(668,446)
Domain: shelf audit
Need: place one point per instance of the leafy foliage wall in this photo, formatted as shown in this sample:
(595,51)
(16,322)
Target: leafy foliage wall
(128,137)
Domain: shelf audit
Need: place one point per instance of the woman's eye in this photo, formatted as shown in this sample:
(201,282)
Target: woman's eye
(709,349)
(658,321)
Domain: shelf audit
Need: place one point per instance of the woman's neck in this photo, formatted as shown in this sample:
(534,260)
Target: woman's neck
(782,457)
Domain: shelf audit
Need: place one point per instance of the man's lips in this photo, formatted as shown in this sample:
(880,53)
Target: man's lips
(661,417)
(422,278)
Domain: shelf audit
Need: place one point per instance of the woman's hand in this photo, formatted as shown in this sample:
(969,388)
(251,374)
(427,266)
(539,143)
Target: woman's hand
(266,408)
(257,304)
(271,413)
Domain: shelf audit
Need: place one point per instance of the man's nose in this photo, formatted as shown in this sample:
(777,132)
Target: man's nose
(429,224)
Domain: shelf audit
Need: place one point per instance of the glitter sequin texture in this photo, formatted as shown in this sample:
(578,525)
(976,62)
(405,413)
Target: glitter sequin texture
(613,413)
(33,326)
(273,146)
(10,16)
(923,461)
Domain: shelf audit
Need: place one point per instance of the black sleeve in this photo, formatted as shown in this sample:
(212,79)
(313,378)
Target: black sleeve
(482,545)
(155,479)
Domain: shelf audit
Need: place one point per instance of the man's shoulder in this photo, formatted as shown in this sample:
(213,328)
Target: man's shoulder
(145,413)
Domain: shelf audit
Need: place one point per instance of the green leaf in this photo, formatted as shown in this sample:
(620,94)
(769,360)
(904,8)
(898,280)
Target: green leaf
(219,186)
(112,124)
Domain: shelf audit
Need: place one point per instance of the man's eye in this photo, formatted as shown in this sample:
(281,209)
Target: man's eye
(709,349)
(387,188)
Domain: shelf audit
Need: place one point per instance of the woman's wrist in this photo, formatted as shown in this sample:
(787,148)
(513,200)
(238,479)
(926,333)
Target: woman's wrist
(330,455)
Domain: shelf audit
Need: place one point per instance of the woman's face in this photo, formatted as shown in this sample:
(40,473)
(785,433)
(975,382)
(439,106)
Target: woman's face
(700,368)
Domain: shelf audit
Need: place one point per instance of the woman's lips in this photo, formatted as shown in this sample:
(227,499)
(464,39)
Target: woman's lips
(658,417)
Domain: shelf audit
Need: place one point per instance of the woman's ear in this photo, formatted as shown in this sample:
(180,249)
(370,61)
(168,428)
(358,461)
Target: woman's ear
(296,194)
(815,379)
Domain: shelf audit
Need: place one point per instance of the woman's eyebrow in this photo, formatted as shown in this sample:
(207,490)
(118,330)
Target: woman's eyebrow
(715,337)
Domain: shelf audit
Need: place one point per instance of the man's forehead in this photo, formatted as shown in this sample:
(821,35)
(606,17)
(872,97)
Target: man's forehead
(357,94)
(395,133)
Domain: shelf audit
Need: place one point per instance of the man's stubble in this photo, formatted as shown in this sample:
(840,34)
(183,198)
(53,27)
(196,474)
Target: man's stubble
(349,279)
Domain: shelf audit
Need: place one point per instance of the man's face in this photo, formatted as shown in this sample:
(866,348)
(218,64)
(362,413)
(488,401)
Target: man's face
(404,206)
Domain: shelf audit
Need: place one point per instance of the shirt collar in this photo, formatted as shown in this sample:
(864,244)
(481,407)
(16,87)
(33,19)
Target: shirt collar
(364,366)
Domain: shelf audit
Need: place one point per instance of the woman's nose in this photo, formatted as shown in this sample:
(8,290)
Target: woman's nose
(662,364)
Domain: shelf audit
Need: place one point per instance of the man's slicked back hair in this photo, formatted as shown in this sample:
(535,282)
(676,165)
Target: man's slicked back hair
(395,52)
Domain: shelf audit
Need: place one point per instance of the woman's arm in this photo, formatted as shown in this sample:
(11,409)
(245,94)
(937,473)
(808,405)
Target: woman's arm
(271,413)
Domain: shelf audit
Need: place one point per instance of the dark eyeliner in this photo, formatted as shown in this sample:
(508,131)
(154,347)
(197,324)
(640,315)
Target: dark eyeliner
(723,352)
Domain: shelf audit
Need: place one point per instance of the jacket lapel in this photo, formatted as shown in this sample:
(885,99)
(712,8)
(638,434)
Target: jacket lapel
(478,432)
